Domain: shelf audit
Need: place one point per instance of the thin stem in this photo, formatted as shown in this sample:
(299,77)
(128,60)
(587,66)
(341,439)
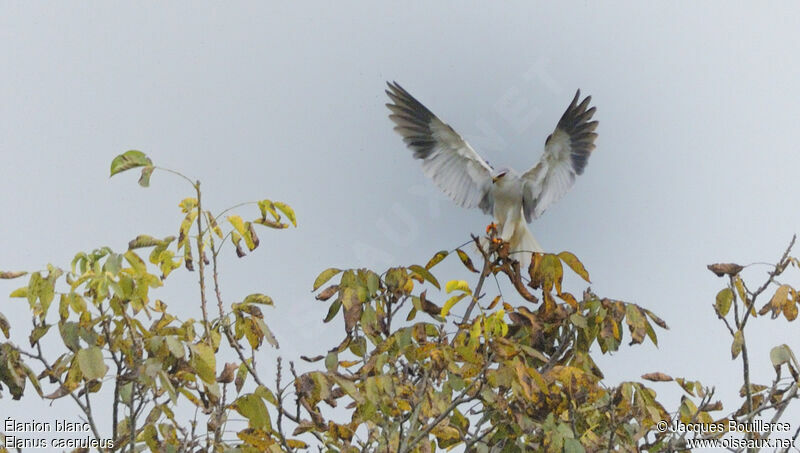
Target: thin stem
(201,261)
(478,288)
(176,173)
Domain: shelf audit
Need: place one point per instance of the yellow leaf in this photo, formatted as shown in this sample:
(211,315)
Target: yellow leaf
(475,331)
(409,286)
(460,285)
(440,255)
(740,289)
(450,303)
(723,303)
(574,263)
(738,342)
(326,275)
(466,260)
(287,210)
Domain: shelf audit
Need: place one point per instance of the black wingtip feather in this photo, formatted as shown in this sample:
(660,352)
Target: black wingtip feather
(576,123)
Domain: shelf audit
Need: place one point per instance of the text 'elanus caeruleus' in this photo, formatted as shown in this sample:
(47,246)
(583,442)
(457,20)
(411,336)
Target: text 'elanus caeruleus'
(512,199)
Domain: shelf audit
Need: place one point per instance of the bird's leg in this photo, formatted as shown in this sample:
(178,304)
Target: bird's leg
(506,231)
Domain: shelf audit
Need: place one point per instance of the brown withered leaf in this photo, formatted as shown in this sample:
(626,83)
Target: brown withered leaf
(659,322)
(60,392)
(351,316)
(524,316)
(316,358)
(11,274)
(512,271)
(708,407)
(722,269)
(657,377)
(428,306)
(327,292)
(227,374)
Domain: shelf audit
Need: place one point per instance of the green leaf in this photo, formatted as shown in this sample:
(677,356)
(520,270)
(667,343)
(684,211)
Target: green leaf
(424,273)
(326,275)
(373,282)
(724,300)
(69,335)
(349,388)
(333,310)
(42,290)
(782,354)
(332,361)
(204,362)
(143,240)
(578,320)
(90,361)
(574,263)
(266,394)
(287,210)
(267,332)
(440,255)
(252,408)
(258,298)
(175,346)
(163,378)
(128,160)
(573,445)
(37,333)
(738,342)
(5,327)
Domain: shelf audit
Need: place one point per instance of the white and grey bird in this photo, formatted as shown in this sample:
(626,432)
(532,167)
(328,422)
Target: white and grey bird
(512,199)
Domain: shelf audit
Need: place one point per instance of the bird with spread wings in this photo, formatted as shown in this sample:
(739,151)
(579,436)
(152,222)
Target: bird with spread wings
(513,200)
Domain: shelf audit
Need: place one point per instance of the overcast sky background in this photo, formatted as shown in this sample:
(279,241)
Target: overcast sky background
(696,160)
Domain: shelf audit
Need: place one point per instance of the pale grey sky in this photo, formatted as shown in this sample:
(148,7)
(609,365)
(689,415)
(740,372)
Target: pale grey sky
(696,159)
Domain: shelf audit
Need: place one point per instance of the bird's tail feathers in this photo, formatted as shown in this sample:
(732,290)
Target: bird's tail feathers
(523,244)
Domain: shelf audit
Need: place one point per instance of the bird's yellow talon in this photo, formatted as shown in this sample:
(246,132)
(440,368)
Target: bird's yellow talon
(491,227)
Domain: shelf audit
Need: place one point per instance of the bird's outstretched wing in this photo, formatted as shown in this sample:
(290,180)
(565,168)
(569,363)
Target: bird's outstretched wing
(566,153)
(446,157)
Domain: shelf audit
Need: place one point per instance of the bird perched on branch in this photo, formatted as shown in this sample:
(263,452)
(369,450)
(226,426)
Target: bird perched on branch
(513,199)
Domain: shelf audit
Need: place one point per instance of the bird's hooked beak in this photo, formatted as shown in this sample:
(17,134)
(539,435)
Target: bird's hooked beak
(498,176)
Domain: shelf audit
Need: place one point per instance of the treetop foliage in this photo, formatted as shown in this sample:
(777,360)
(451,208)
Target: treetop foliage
(424,362)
